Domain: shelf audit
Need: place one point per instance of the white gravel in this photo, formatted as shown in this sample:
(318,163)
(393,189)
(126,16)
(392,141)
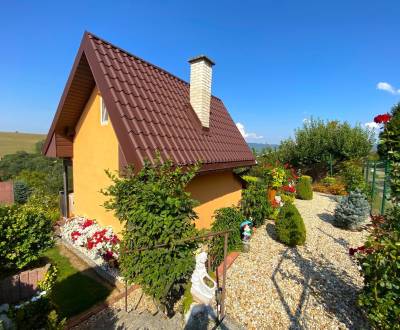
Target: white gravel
(309,287)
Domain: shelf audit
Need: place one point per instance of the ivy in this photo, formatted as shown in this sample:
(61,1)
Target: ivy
(155,209)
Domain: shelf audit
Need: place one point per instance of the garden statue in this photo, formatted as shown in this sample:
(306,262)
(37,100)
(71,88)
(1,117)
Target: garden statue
(245,230)
(200,290)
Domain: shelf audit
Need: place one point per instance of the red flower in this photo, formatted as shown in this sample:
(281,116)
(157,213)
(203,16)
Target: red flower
(74,235)
(290,189)
(379,119)
(87,223)
(108,255)
(352,251)
(275,203)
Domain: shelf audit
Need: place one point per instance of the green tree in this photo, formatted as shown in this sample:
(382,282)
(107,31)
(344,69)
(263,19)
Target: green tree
(318,142)
(155,208)
(389,148)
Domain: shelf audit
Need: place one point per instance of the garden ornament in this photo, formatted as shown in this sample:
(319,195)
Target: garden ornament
(200,290)
(246,230)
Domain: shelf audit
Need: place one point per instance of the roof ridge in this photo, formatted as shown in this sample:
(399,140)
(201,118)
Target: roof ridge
(143,60)
(136,57)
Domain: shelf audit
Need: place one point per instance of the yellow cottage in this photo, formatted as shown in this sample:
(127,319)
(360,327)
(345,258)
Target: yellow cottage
(117,109)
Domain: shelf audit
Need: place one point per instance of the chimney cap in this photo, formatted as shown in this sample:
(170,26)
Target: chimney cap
(201,58)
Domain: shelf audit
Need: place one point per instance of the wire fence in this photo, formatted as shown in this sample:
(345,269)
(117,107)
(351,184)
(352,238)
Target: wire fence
(377,175)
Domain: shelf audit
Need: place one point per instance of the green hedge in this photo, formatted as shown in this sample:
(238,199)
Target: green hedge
(304,188)
(290,226)
(25,232)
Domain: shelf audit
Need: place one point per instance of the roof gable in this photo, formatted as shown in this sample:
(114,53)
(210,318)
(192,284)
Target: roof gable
(150,111)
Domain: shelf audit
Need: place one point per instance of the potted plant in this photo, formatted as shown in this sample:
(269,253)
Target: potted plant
(276,177)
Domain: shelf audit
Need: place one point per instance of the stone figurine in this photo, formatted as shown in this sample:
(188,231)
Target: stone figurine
(200,290)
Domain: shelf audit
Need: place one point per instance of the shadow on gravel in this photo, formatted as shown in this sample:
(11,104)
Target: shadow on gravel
(341,241)
(331,288)
(271,231)
(327,217)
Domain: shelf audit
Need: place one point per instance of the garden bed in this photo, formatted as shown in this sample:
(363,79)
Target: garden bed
(311,286)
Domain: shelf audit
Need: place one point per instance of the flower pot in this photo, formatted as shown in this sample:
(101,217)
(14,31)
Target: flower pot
(271,195)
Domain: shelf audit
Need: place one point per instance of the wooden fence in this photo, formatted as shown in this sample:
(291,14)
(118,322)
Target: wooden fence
(21,287)
(6,192)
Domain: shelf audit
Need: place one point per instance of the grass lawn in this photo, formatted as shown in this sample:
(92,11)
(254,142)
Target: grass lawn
(73,292)
(10,142)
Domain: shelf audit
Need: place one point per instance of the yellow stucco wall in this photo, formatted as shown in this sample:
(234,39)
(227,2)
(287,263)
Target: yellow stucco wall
(213,191)
(95,149)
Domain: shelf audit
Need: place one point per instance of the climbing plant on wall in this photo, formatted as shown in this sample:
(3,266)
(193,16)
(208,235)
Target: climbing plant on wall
(155,209)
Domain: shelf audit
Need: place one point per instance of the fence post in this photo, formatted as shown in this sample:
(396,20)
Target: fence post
(367,171)
(330,165)
(373,183)
(224,276)
(384,187)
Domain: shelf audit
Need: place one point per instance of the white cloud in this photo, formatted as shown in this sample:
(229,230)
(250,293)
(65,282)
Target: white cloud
(384,86)
(372,125)
(247,135)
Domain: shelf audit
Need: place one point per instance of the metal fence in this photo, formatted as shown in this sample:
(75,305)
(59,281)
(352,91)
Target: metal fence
(212,267)
(377,175)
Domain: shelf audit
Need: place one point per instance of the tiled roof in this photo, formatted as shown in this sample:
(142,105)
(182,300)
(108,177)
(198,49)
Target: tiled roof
(150,111)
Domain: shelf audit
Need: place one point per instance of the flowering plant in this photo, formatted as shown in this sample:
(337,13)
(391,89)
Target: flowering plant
(382,119)
(88,234)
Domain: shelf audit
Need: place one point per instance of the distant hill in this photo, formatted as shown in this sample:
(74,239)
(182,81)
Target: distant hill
(260,146)
(11,142)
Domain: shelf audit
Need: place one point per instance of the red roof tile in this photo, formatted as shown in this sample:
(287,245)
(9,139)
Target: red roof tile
(150,111)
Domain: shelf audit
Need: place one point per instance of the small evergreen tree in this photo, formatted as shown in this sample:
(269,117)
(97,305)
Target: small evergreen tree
(304,188)
(21,192)
(352,211)
(290,227)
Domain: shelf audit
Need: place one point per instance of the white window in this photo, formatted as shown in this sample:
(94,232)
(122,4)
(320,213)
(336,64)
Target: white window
(103,113)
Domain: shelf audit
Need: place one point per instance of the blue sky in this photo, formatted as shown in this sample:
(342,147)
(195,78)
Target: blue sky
(277,62)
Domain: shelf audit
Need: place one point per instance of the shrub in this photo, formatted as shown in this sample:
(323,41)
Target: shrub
(304,188)
(254,203)
(39,314)
(353,177)
(21,192)
(155,209)
(329,181)
(250,179)
(318,142)
(25,232)
(226,218)
(380,297)
(352,211)
(290,227)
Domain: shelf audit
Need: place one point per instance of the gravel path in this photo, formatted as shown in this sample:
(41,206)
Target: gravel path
(309,287)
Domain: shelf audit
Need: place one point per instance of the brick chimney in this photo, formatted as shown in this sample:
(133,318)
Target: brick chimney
(200,87)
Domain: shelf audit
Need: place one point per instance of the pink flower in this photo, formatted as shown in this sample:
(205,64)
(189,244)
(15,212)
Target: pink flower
(87,223)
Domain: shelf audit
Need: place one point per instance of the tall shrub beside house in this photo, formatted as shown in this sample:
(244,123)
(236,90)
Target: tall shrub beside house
(155,209)
(254,203)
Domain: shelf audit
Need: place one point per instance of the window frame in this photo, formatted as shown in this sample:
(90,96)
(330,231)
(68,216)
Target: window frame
(103,109)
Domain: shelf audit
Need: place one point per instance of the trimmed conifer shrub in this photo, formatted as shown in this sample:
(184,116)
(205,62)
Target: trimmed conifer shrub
(352,211)
(304,188)
(21,192)
(290,227)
